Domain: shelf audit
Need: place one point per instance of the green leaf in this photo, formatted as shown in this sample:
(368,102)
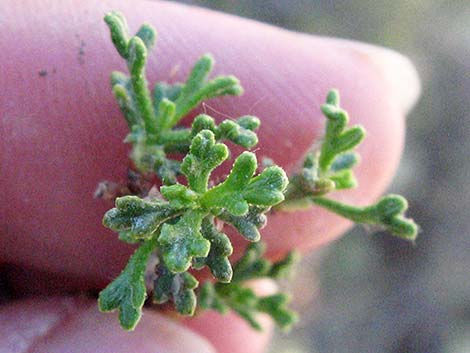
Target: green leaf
(175,141)
(328,167)
(344,161)
(181,229)
(136,62)
(137,56)
(134,98)
(165,113)
(178,287)
(182,241)
(267,188)
(123,93)
(203,122)
(388,214)
(249,122)
(390,211)
(243,300)
(276,307)
(148,35)
(198,88)
(248,225)
(240,131)
(338,138)
(240,189)
(221,248)
(204,156)
(343,179)
(135,218)
(119,32)
(163,90)
(127,292)
(229,194)
(164,96)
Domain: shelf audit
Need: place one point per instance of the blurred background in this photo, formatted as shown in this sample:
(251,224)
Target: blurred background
(371,292)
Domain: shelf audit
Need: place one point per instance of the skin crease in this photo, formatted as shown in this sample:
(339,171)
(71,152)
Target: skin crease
(61,133)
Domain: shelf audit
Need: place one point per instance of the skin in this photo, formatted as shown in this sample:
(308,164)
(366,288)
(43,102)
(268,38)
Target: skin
(61,134)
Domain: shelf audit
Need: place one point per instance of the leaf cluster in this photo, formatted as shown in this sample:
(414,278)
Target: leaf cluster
(329,168)
(180,225)
(152,116)
(239,297)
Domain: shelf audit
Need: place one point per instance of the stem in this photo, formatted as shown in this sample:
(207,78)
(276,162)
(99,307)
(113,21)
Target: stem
(388,213)
(356,214)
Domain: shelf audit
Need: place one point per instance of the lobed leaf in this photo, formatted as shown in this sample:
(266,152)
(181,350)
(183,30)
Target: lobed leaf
(240,189)
(182,241)
(240,131)
(117,25)
(284,267)
(135,218)
(164,96)
(204,155)
(198,88)
(276,306)
(338,139)
(182,228)
(178,287)
(148,35)
(136,61)
(330,167)
(123,93)
(248,225)
(243,300)
(267,188)
(344,161)
(343,179)
(387,213)
(127,292)
(221,248)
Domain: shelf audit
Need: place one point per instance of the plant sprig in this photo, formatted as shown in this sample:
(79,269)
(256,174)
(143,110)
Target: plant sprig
(239,297)
(329,168)
(151,117)
(127,292)
(180,224)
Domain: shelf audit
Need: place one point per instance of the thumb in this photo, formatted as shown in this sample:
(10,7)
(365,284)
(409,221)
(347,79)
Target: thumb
(72,325)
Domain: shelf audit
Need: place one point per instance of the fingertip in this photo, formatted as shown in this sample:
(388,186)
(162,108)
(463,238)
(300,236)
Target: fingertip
(396,71)
(76,326)
(230,333)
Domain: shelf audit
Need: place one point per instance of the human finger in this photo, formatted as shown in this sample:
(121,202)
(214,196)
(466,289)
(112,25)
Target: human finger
(62,132)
